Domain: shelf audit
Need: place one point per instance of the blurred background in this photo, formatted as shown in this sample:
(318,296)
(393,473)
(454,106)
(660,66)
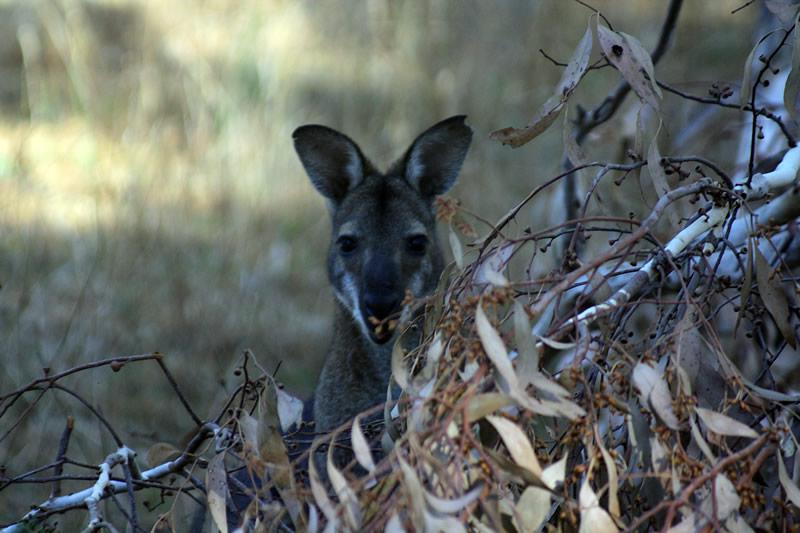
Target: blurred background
(150,197)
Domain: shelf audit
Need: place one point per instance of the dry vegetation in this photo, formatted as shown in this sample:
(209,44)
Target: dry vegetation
(151,201)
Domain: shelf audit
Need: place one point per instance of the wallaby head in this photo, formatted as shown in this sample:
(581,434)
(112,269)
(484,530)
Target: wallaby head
(384,236)
(383,242)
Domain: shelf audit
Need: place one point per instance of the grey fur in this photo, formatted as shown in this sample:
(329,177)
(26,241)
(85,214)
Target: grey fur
(383,217)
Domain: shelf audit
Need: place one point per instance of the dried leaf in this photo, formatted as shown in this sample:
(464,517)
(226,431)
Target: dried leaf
(769,287)
(217,487)
(727,500)
(399,371)
(544,117)
(528,354)
(492,268)
(747,74)
(618,49)
(687,525)
(642,57)
(659,178)
(446,523)
(534,503)
(594,519)
(249,428)
(703,372)
(556,345)
(701,442)
(416,495)
(658,456)
(347,497)
(290,409)
(494,347)
(577,65)
(747,284)
(613,480)
(544,384)
(481,405)
(792,87)
(548,112)
(792,492)
(517,443)
(319,492)
(724,425)
(655,392)
(361,446)
(555,473)
(784,10)
(444,506)
(394,525)
(532,508)
(455,247)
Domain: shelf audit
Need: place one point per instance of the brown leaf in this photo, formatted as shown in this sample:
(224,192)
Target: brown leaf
(622,52)
(548,112)
(769,287)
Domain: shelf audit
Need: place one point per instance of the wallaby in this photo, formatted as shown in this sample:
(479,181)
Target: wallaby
(383,245)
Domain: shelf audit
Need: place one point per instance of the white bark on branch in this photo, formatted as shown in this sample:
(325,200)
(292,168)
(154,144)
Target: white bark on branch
(760,186)
(105,485)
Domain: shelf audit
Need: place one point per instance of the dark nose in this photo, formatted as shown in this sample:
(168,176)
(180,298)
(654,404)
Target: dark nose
(381,303)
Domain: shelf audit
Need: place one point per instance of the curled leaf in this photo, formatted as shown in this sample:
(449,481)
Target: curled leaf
(549,111)
(444,506)
(361,446)
(654,391)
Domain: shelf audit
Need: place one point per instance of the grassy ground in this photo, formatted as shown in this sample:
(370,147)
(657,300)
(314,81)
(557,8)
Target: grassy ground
(150,198)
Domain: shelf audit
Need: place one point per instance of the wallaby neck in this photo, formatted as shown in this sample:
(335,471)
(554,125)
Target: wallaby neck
(362,354)
(356,373)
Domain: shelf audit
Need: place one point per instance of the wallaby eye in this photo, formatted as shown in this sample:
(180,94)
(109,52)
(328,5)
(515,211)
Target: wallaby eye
(417,244)
(347,244)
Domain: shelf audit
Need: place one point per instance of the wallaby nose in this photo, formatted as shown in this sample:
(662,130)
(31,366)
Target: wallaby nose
(381,304)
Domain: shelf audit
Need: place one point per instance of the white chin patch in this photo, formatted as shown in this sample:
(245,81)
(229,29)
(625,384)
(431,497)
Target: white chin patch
(349,298)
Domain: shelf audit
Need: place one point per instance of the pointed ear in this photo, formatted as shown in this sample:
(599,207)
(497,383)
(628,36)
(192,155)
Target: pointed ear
(333,162)
(432,163)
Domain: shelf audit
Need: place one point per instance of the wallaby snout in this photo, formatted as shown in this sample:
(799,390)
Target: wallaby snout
(383,246)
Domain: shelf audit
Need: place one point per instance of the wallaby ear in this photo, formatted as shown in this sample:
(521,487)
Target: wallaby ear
(332,160)
(432,163)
